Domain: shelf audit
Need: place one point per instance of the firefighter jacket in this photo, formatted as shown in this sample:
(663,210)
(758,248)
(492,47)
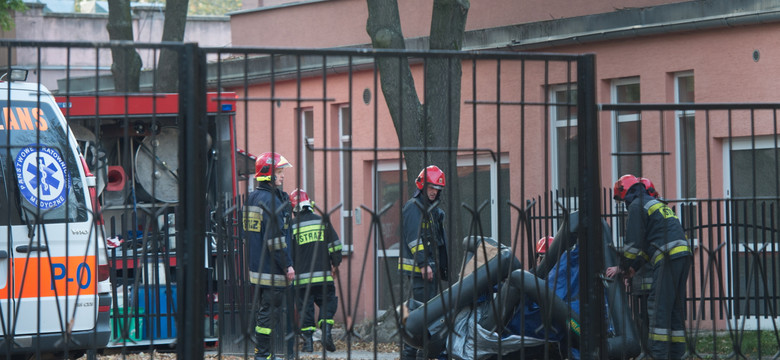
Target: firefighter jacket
(424,241)
(316,248)
(653,231)
(266,217)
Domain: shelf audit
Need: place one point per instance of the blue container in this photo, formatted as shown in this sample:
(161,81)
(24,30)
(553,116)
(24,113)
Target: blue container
(160,317)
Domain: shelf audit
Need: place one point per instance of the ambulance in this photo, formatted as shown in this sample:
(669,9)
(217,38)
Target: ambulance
(54,276)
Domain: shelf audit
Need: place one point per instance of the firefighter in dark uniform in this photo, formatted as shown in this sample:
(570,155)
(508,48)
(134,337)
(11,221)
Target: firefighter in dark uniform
(424,247)
(266,228)
(317,250)
(642,285)
(654,235)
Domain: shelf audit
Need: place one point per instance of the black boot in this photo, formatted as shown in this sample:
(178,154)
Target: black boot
(263,347)
(327,338)
(308,343)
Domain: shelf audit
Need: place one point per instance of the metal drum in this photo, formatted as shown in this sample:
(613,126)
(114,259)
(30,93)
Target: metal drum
(157,165)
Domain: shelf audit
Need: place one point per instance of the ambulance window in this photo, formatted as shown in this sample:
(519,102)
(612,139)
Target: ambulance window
(9,211)
(40,171)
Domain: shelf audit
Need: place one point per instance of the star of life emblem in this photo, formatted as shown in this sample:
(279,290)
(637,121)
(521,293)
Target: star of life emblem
(43,176)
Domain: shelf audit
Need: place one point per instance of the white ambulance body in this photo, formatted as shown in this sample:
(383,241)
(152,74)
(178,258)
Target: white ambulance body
(54,288)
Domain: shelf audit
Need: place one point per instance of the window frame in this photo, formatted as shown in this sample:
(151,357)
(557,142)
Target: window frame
(555,124)
(616,119)
(681,152)
(345,157)
(762,142)
(307,156)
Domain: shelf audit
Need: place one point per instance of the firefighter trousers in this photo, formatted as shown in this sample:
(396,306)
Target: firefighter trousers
(275,304)
(666,309)
(321,294)
(422,291)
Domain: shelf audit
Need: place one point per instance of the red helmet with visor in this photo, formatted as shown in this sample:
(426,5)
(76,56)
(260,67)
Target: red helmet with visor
(622,185)
(431,175)
(299,199)
(650,187)
(267,163)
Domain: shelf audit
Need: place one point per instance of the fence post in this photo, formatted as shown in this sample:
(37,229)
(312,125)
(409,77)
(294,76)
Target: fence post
(190,242)
(592,315)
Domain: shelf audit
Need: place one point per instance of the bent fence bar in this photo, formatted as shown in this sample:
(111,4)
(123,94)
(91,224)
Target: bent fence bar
(527,151)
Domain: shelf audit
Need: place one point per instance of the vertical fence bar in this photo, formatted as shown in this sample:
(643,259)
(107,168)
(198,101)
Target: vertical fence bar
(593,324)
(190,241)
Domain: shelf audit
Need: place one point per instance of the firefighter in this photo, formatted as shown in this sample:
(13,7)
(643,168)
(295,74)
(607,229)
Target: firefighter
(266,228)
(654,235)
(318,249)
(424,249)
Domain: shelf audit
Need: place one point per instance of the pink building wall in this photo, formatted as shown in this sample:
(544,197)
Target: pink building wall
(721,61)
(301,24)
(37,25)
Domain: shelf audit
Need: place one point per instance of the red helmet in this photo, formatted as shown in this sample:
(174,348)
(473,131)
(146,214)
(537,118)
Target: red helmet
(543,244)
(650,187)
(433,176)
(622,185)
(267,163)
(304,199)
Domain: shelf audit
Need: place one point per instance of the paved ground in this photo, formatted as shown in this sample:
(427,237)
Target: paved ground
(343,355)
(162,350)
(212,355)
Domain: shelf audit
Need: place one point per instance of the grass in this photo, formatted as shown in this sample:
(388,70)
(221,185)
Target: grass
(725,344)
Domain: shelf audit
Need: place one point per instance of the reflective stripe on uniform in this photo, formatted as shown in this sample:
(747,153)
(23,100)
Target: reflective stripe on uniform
(277,243)
(416,245)
(408,265)
(655,205)
(660,334)
(309,328)
(275,280)
(334,246)
(313,277)
(305,224)
(632,253)
(672,248)
(262,330)
(253,217)
(327,321)
(308,231)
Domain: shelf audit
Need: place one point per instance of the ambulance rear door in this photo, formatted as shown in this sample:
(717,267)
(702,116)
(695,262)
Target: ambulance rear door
(48,267)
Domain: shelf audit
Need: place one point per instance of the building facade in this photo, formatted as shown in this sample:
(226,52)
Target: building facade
(651,52)
(40,23)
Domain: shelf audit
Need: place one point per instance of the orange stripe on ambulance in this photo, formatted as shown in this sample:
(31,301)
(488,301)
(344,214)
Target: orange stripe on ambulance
(58,277)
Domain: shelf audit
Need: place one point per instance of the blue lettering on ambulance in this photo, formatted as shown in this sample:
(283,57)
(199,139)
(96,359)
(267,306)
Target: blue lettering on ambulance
(83,274)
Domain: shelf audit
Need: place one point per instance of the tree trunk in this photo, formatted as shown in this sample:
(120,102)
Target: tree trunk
(428,133)
(384,28)
(126,67)
(442,108)
(173,31)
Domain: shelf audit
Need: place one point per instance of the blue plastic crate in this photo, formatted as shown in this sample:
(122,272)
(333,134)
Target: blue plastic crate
(160,317)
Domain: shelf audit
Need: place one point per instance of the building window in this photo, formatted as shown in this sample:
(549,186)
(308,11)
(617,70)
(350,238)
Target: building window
(345,166)
(686,152)
(752,192)
(564,138)
(307,166)
(628,129)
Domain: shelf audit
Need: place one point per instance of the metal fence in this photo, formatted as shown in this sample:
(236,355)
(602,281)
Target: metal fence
(517,135)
